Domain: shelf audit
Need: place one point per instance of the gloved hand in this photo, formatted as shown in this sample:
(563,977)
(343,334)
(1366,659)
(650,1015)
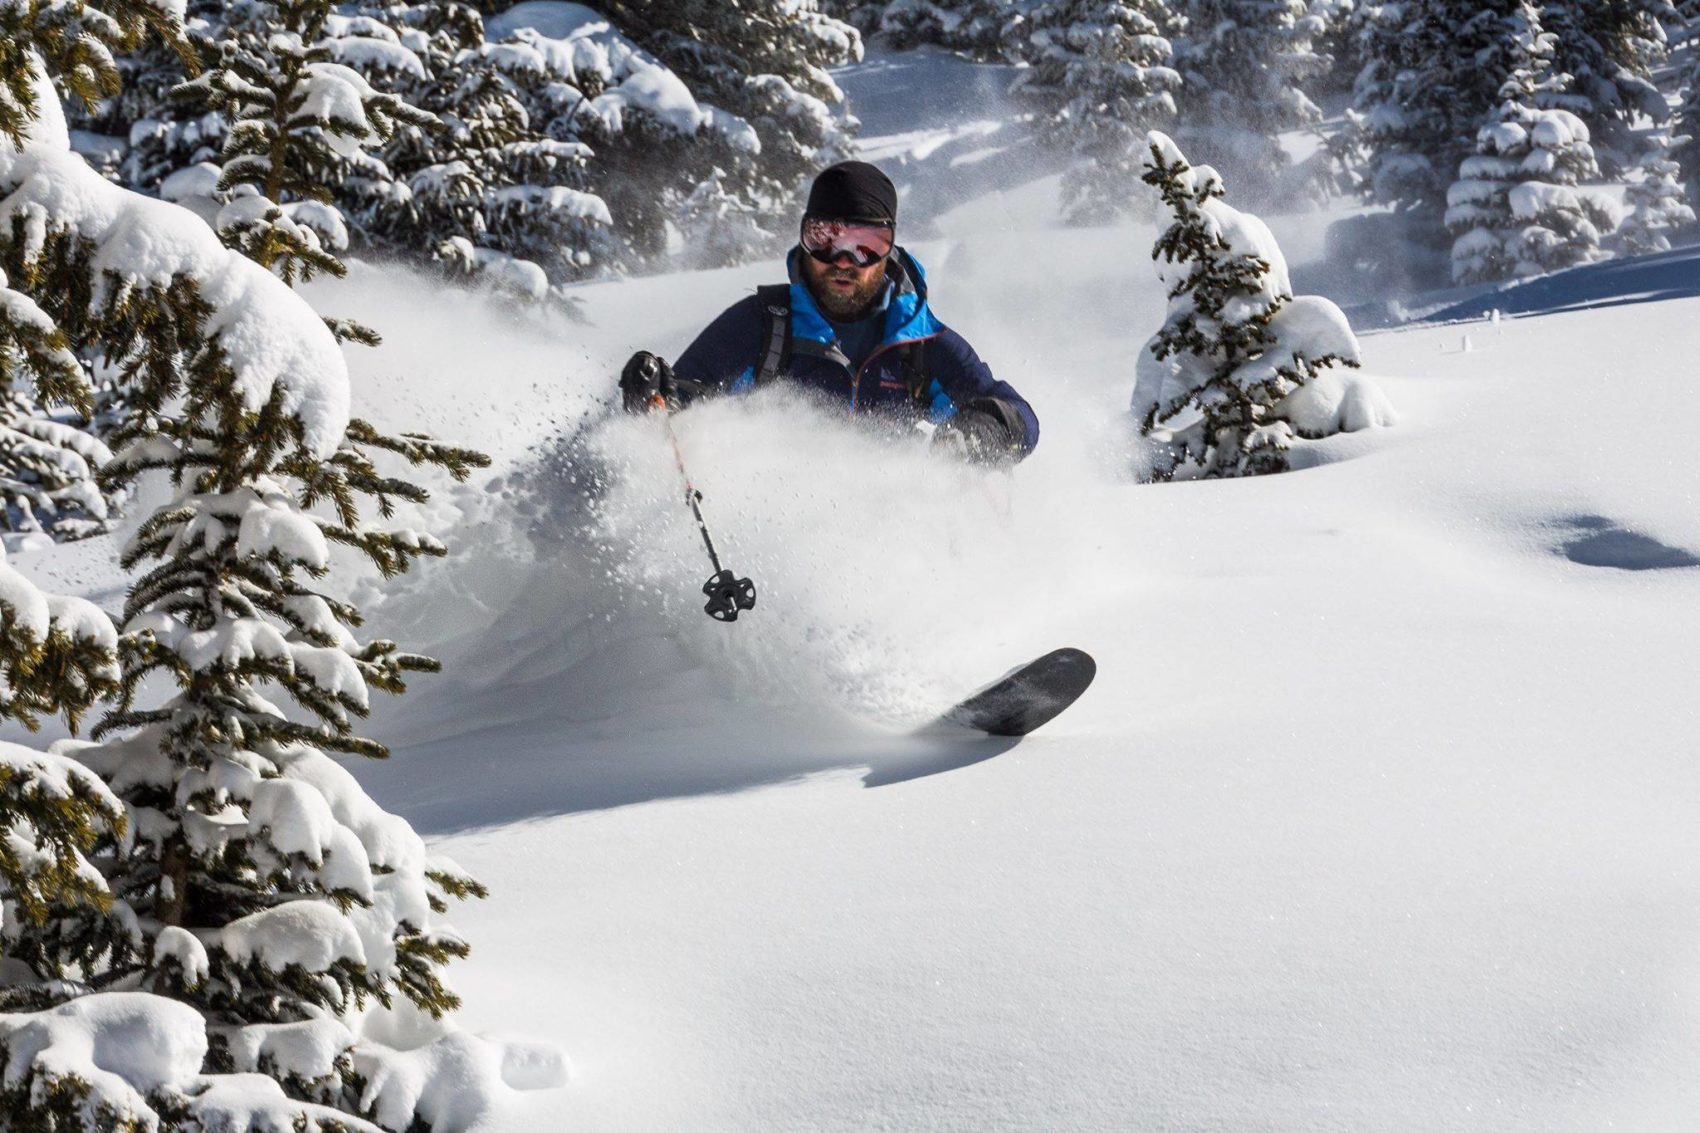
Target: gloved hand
(645,379)
(977,437)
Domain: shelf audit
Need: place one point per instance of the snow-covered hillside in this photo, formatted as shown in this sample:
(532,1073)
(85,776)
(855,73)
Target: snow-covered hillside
(1379,816)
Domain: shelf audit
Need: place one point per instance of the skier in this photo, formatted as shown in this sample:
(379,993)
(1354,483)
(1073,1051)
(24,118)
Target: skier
(854,325)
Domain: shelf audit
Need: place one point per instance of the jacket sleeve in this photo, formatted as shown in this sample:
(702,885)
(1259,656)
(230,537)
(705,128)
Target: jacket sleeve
(724,356)
(969,384)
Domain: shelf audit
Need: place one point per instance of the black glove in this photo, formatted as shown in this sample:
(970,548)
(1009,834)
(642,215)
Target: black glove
(647,380)
(977,437)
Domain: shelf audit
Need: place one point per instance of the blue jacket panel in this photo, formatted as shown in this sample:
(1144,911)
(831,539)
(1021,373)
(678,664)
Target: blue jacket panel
(726,355)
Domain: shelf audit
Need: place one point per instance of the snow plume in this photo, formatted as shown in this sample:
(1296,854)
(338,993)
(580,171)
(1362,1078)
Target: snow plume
(891,581)
(867,550)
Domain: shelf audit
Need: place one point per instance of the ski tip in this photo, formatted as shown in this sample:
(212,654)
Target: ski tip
(1077,656)
(1029,696)
(1081,666)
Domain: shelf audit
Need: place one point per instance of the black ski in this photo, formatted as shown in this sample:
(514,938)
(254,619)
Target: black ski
(1029,696)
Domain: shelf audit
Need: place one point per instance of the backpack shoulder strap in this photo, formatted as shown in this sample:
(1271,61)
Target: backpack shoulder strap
(776,334)
(915,373)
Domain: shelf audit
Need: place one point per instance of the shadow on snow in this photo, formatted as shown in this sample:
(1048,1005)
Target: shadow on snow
(1615,283)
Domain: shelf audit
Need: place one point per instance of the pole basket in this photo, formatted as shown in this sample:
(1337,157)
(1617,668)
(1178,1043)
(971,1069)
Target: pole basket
(727,596)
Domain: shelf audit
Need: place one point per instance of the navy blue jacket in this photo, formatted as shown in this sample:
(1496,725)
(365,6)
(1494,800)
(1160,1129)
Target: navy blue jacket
(725,357)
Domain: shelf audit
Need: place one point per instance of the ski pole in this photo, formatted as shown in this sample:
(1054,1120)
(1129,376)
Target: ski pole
(726,594)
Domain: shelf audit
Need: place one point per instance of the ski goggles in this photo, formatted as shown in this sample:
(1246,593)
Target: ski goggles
(829,240)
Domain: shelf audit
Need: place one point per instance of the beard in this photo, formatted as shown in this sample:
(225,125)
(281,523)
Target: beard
(844,305)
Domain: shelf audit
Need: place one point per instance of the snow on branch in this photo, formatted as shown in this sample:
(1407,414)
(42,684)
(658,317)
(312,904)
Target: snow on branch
(129,1062)
(276,348)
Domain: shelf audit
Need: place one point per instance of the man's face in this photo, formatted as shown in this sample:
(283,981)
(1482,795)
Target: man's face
(846,284)
(844,292)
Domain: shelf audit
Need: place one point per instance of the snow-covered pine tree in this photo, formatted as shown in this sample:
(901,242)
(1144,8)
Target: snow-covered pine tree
(978,29)
(718,226)
(1241,368)
(1687,124)
(1520,205)
(1100,74)
(765,63)
(375,43)
(296,123)
(863,15)
(1338,42)
(166,132)
(1610,49)
(1657,203)
(47,462)
(62,1063)
(1244,65)
(480,177)
(473,170)
(47,459)
(449,170)
(621,143)
(1343,156)
(261,900)
(55,653)
(1423,97)
(575,148)
(264,888)
(57,656)
(147,73)
(574,151)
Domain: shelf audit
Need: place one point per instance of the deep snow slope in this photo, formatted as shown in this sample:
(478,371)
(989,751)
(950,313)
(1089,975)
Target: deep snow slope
(1380,816)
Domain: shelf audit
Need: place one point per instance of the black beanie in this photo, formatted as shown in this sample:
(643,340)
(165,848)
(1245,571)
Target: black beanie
(853,190)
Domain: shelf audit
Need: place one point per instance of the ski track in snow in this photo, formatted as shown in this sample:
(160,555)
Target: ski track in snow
(1379,816)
